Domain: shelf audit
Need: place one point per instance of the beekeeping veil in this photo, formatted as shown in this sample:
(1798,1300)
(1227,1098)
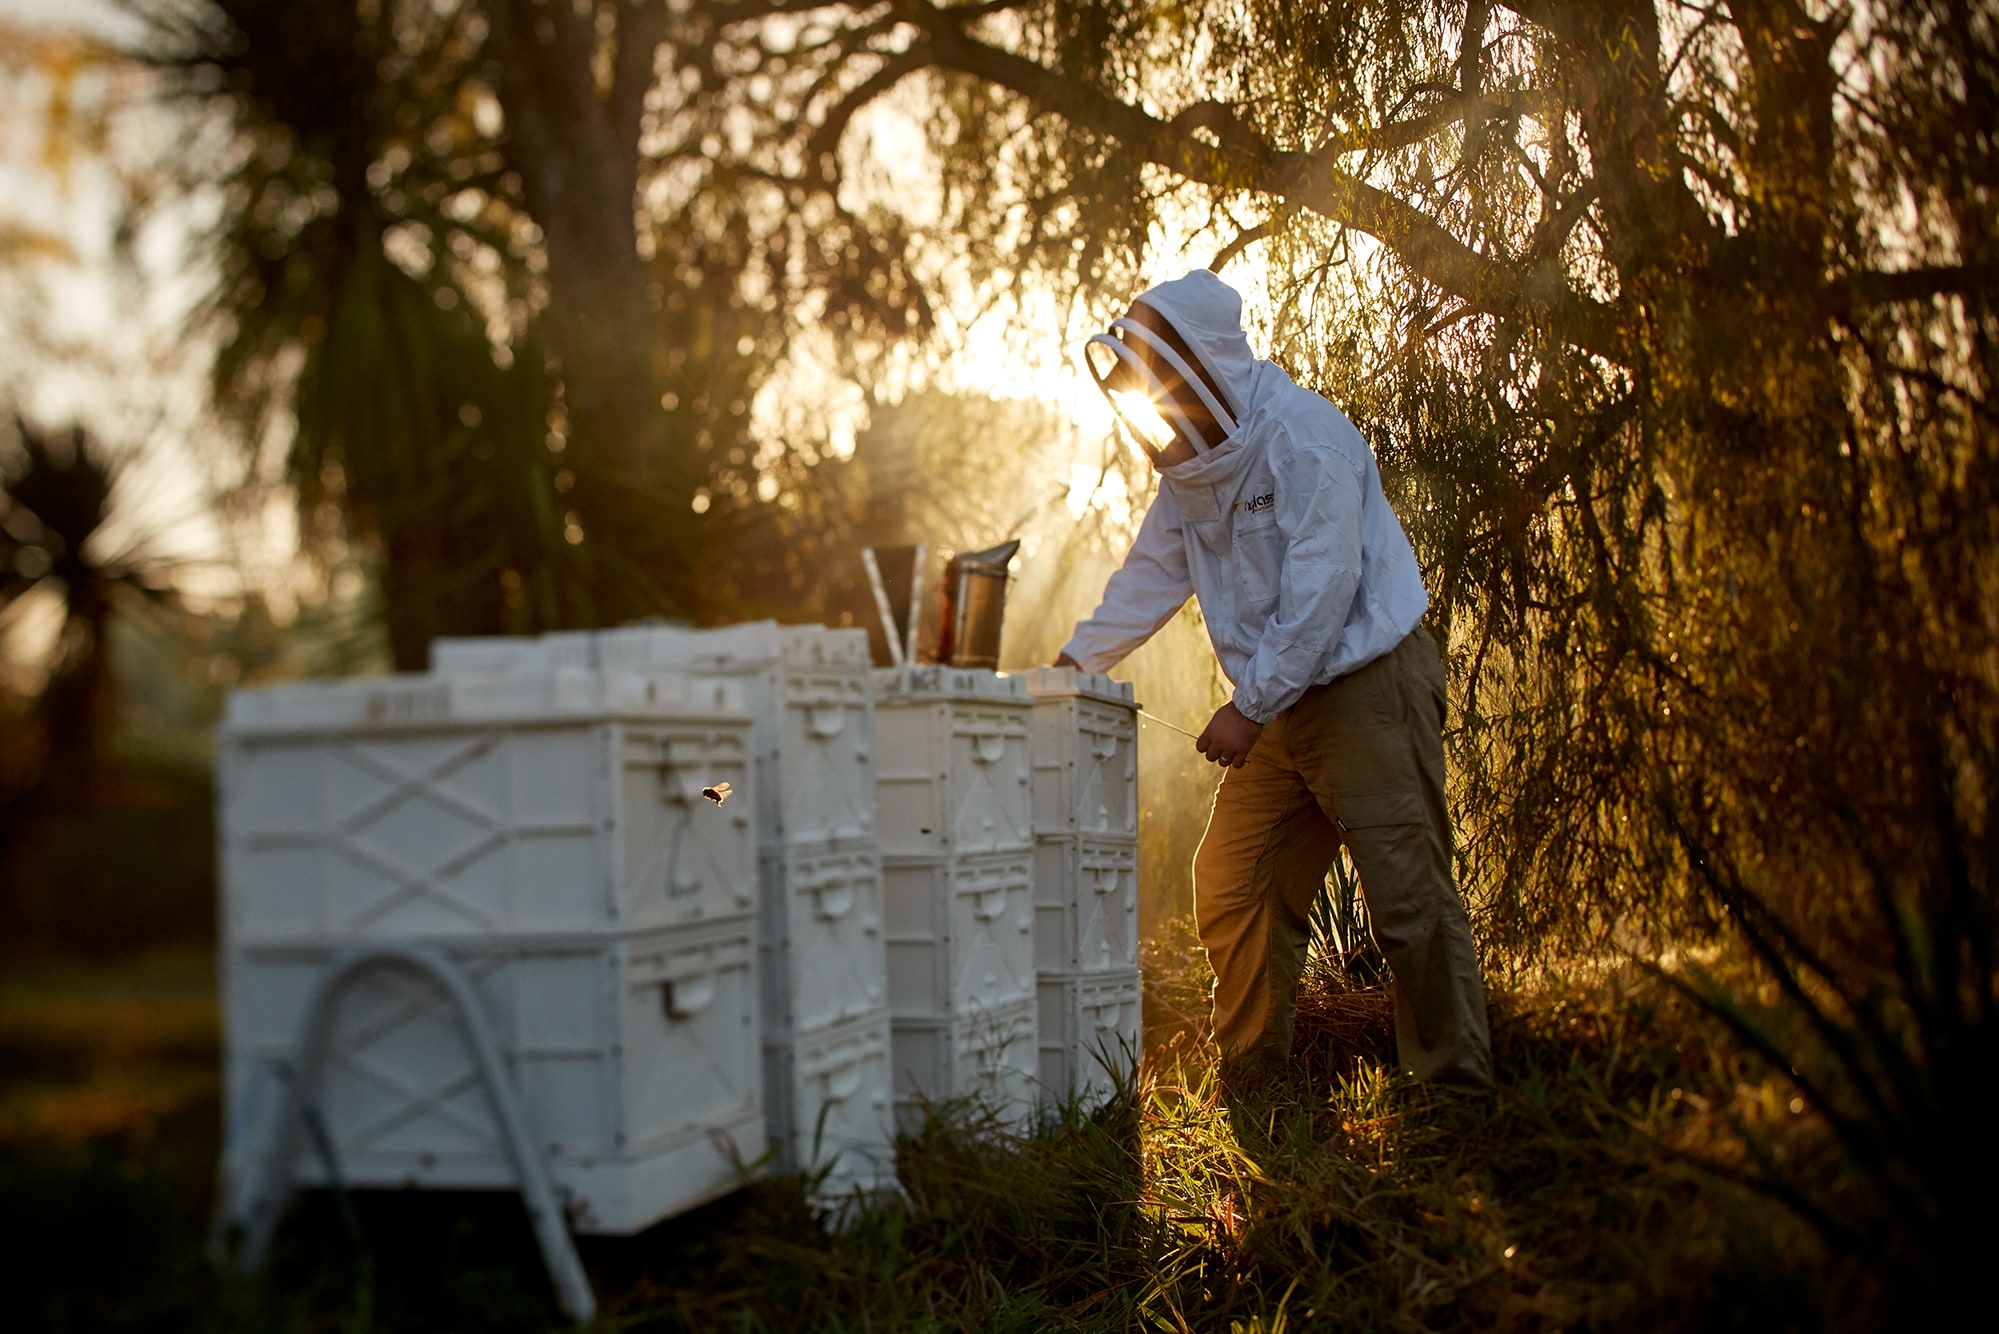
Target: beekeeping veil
(1206,314)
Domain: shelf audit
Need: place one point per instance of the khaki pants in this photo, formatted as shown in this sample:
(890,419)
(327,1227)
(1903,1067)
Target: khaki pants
(1360,759)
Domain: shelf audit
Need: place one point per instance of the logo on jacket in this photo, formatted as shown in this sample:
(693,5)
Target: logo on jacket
(1255,504)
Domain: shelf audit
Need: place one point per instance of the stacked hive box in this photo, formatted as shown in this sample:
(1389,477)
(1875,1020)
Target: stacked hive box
(1085,792)
(545,836)
(825,1006)
(955,823)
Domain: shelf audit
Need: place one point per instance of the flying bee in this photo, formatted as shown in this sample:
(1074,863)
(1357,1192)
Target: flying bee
(717,794)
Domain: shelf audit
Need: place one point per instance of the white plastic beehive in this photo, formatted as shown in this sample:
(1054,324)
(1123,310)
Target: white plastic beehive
(812,699)
(952,762)
(807,688)
(827,1103)
(960,933)
(424,807)
(1085,904)
(821,951)
(988,1057)
(1089,1033)
(634,1055)
(822,937)
(1085,743)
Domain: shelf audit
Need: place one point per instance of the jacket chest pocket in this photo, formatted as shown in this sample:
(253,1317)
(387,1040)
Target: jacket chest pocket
(1257,552)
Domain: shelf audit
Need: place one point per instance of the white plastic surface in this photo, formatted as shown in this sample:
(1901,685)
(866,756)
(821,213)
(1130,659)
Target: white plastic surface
(1089,1026)
(1071,682)
(399,703)
(807,688)
(1085,764)
(960,934)
(514,655)
(827,1102)
(732,648)
(988,1056)
(345,815)
(636,1059)
(952,759)
(823,950)
(1085,904)
(935,682)
(812,704)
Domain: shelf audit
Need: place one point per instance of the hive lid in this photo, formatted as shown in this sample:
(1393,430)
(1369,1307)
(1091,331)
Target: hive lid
(731,649)
(414,702)
(750,646)
(926,682)
(1073,682)
(513,655)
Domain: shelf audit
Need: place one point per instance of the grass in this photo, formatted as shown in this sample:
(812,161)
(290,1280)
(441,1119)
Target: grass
(1585,1195)
(96,1051)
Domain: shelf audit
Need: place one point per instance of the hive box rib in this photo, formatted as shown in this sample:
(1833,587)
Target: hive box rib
(831,1089)
(960,933)
(1088,1033)
(1085,754)
(986,1057)
(952,776)
(957,842)
(1085,791)
(1085,904)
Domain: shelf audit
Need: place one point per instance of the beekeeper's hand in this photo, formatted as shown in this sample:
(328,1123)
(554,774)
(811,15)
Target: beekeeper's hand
(1228,738)
(1064,660)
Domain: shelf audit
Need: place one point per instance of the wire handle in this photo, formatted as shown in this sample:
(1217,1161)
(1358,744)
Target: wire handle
(1153,717)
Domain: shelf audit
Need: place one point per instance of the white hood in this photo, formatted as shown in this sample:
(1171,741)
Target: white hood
(1207,314)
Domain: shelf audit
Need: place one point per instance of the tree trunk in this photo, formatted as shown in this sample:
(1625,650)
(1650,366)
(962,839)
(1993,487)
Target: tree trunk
(573,138)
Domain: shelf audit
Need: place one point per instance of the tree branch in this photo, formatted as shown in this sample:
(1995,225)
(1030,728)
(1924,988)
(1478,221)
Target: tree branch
(1858,291)
(1240,159)
(1249,236)
(1561,17)
(826,138)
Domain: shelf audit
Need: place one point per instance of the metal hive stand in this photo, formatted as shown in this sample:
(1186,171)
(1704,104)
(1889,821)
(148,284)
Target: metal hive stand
(253,1208)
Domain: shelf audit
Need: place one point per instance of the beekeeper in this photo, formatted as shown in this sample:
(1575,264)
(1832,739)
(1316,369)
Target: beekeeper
(1270,511)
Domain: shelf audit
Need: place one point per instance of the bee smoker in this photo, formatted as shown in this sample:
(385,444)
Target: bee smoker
(974,603)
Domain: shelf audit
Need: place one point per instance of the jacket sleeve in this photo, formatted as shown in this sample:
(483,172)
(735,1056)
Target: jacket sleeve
(1319,499)
(1147,589)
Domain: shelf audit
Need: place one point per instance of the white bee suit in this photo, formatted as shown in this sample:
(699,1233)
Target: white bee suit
(1314,603)
(1282,531)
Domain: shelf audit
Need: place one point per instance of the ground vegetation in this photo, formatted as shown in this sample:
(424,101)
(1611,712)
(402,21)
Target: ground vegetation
(1346,1198)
